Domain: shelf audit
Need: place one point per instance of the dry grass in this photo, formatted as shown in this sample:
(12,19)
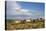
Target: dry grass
(26,25)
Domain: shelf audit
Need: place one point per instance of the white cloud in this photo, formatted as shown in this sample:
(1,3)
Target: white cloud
(23,12)
(16,9)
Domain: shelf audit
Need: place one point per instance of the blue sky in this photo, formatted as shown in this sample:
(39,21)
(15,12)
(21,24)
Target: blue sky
(31,9)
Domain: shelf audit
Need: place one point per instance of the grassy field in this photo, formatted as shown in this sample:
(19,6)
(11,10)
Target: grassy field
(25,25)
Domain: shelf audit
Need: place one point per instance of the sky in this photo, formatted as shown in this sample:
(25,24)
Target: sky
(24,10)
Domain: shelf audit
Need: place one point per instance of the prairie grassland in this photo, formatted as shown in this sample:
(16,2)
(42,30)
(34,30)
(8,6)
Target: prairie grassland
(26,25)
